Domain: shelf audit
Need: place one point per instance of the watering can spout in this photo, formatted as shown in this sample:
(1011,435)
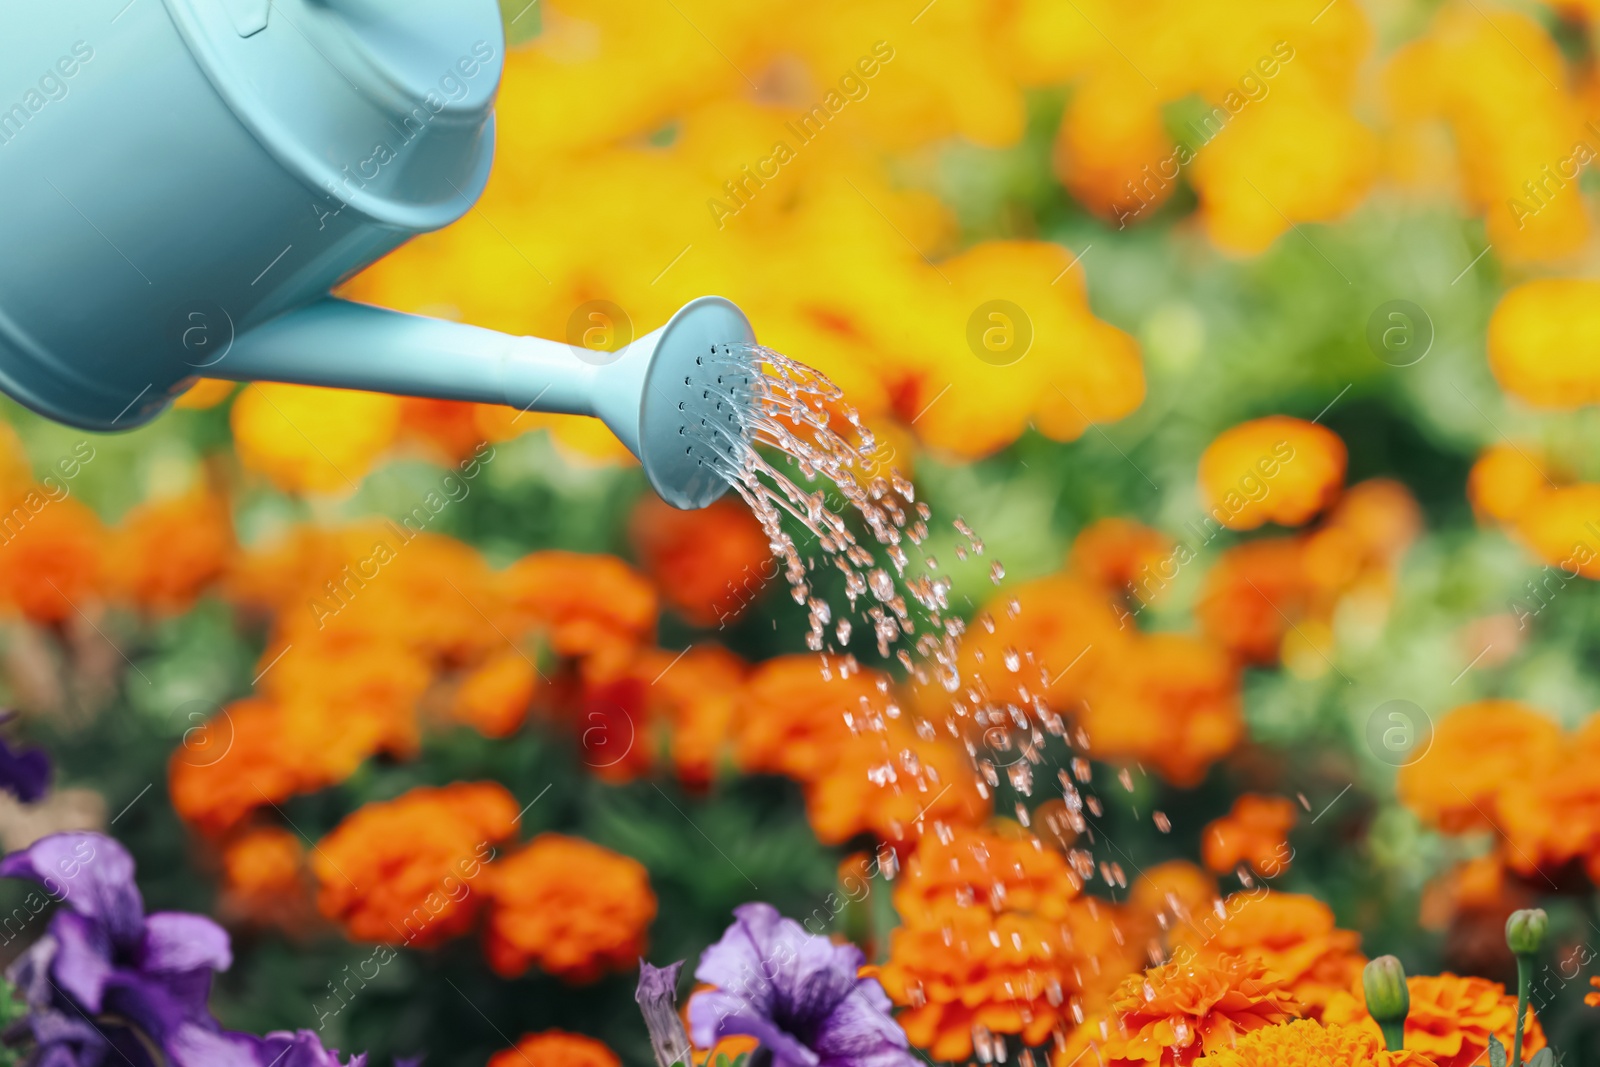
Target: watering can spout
(642,392)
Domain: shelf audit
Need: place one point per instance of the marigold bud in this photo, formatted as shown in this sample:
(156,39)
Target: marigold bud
(1526,929)
(1388,999)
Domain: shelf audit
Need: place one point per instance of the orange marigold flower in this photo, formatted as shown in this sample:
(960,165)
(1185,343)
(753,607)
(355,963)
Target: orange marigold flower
(165,554)
(1543,339)
(1254,832)
(1171,702)
(698,695)
(1307,1043)
(556,1048)
(1175,894)
(1477,749)
(1066,630)
(710,564)
(573,908)
(54,562)
(264,877)
(1551,814)
(986,870)
(1505,481)
(1012,973)
(1277,469)
(494,698)
(893,785)
(399,871)
(1251,595)
(589,605)
(1451,1018)
(1294,936)
(449,428)
(1593,999)
(1559,524)
(797,720)
(239,760)
(1176,1013)
(1120,555)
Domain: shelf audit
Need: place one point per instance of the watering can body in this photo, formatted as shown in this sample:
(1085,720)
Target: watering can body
(182,182)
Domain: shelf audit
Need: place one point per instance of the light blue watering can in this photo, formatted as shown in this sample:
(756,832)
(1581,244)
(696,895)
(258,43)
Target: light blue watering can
(182,182)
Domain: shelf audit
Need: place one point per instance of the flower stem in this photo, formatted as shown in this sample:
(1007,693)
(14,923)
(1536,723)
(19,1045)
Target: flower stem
(1524,976)
(1394,1035)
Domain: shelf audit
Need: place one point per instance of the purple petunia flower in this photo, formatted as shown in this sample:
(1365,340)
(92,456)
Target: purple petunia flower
(303,1048)
(797,994)
(107,982)
(24,772)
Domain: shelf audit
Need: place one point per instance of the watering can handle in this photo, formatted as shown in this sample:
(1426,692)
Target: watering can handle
(345,345)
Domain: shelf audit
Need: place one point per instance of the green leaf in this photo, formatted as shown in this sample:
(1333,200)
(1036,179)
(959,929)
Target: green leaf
(1497,1052)
(1543,1058)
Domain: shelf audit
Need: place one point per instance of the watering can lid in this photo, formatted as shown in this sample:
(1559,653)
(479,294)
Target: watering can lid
(384,106)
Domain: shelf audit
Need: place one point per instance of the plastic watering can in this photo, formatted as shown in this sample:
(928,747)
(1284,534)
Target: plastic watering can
(182,182)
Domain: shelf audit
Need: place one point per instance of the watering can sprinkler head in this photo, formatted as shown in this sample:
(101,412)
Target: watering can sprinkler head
(298,141)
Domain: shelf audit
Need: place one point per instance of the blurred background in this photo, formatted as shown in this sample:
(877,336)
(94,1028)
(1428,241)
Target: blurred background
(1256,340)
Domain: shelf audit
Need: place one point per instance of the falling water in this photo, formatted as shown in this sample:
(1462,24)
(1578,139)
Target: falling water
(760,399)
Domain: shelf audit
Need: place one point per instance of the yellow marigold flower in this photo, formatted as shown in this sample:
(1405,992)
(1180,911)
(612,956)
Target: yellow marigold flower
(402,871)
(1498,80)
(1307,1043)
(1277,469)
(1477,749)
(308,439)
(1262,174)
(1175,1013)
(555,1048)
(1544,342)
(572,908)
(1451,1018)
(1040,357)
